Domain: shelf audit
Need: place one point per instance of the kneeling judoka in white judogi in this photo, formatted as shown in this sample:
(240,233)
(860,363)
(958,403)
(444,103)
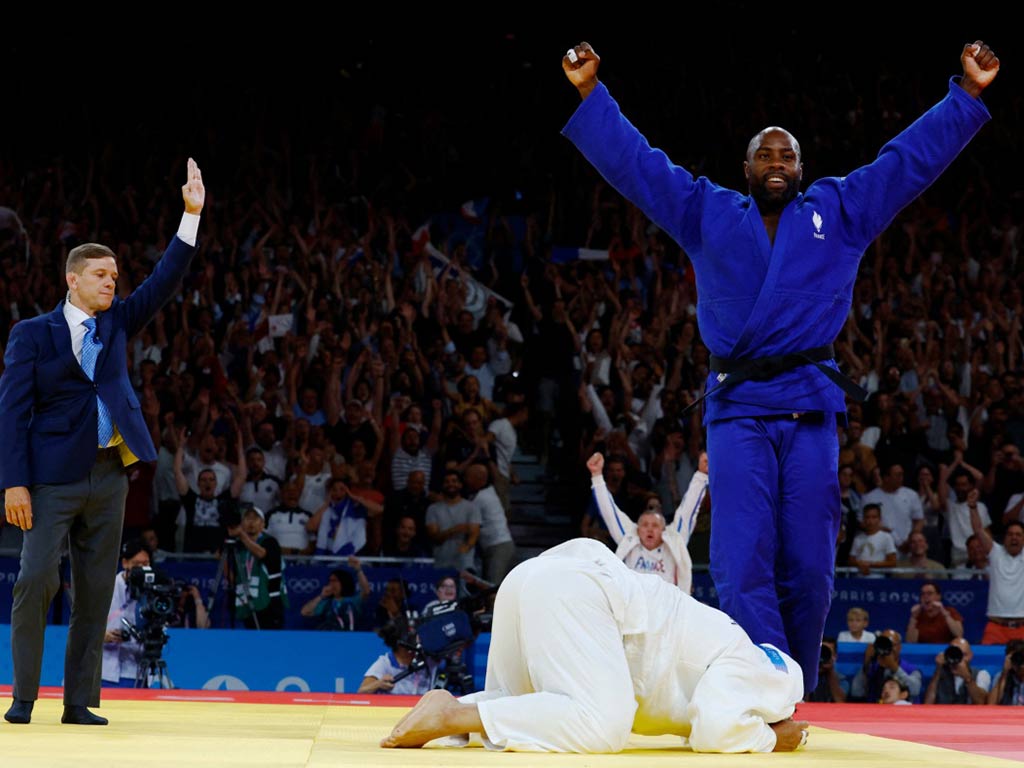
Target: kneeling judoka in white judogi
(585,651)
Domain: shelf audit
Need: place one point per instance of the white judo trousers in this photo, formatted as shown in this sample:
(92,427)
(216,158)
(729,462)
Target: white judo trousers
(585,650)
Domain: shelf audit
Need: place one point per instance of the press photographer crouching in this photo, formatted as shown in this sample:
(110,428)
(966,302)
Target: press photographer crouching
(1008,689)
(832,686)
(403,669)
(428,649)
(882,661)
(145,602)
(955,681)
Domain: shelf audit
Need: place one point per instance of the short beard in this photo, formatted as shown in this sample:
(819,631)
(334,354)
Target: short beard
(768,203)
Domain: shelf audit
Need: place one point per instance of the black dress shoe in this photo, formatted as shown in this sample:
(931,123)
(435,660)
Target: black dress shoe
(79,715)
(20,712)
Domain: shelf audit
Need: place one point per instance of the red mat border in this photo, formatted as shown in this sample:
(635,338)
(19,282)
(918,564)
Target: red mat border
(984,730)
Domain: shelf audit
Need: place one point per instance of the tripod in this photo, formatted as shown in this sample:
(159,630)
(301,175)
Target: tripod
(151,666)
(226,574)
(152,673)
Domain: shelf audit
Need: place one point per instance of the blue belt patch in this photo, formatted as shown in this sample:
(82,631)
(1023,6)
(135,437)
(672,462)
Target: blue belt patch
(775,658)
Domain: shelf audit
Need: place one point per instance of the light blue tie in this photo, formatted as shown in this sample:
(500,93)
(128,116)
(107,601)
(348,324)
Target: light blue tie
(91,346)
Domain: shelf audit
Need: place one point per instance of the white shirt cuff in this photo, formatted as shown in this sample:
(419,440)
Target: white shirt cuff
(189,227)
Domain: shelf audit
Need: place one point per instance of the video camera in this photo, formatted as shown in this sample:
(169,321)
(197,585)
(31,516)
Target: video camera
(230,516)
(156,595)
(439,635)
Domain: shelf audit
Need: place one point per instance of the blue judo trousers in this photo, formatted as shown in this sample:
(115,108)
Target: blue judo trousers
(773,562)
(773,477)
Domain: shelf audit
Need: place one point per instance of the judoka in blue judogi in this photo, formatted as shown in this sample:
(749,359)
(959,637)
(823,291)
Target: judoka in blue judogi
(775,271)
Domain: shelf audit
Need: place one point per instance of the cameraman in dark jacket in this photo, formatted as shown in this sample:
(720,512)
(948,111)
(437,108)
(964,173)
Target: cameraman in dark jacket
(1008,688)
(955,681)
(882,661)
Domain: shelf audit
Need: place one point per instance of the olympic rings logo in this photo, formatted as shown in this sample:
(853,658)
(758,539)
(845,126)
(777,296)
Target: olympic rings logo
(959,598)
(303,585)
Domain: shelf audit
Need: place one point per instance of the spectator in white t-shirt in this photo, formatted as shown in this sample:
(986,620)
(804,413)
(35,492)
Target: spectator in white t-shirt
(497,549)
(958,513)
(502,433)
(1014,509)
(261,489)
(206,458)
(312,475)
(901,507)
(287,523)
(857,627)
(873,547)
(1006,582)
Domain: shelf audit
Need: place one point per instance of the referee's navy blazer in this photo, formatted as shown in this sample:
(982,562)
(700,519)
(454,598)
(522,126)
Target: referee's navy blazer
(48,412)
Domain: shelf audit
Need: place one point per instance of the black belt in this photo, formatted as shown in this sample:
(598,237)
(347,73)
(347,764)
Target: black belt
(732,372)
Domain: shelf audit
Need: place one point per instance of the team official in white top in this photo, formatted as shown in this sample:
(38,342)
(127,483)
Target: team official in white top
(650,545)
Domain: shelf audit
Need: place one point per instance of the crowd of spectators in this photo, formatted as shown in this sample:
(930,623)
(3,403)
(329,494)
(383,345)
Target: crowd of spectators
(363,344)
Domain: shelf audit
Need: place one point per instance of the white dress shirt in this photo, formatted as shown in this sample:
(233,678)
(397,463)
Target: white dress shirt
(76,317)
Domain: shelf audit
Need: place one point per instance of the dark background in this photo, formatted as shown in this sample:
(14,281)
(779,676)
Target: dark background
(478,112)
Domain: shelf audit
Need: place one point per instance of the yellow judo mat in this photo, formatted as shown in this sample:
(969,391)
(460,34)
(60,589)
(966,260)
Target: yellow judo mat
(212,733)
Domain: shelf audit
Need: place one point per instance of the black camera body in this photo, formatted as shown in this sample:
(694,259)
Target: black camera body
(1017,659)
(953,655)
(230,516)
(156,596)
(826,655)
(883,646)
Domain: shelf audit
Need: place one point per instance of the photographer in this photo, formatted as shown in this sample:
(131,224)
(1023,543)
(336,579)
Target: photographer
(1008,689)
(338,606)
(121,654)
(881,662)
(260,594)
(831,685)
(954,681)
(416,679)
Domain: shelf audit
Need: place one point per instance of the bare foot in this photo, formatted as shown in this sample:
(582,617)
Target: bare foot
(424,722)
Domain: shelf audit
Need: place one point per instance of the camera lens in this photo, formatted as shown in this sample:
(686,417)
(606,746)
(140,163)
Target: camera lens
(883,646)
(1017,658)
(162,606)
(826,654)
(953,655)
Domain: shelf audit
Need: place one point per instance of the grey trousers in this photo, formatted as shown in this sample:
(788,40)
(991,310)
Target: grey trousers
(88,514)
(498,561)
